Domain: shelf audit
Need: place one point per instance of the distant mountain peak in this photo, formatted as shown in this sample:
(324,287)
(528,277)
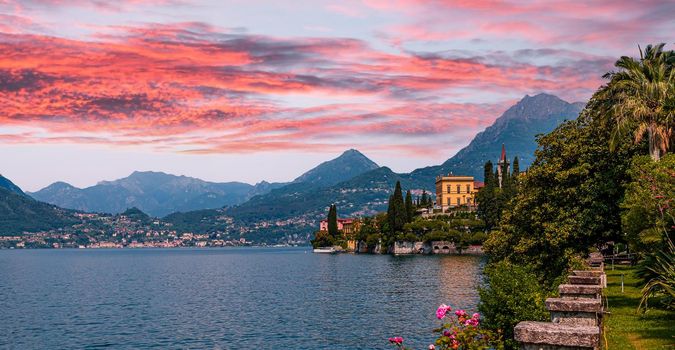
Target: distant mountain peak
(349,164)
(9,185)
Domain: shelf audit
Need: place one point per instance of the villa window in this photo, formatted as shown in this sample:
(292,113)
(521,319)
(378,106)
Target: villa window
(459,189)
(449,201)
(468,188)
(449,189)
(459,201)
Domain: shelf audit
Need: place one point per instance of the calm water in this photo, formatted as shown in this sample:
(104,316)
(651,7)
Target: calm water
(244,298)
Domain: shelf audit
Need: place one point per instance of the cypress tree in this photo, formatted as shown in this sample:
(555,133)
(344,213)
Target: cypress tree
(332,221)
(409,208)
(516,167)
(396,212)
(487,173)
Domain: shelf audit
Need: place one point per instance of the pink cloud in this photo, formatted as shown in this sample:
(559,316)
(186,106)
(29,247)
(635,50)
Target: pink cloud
(163,84)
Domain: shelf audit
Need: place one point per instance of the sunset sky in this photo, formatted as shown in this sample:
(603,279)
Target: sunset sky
(264,90)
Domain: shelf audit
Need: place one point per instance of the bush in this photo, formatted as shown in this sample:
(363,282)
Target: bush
(510,294)
(459,331)
(657,272)
(323,239)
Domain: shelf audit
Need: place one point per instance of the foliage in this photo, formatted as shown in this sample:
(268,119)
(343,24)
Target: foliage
(657,272)
(332,221)
(570,198)
(409,208)
(640,97)
(649,216)
(323,239)
(396,212)
(510,294)
(461,331)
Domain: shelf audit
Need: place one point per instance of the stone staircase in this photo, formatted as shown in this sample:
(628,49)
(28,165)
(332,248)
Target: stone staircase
(576,316)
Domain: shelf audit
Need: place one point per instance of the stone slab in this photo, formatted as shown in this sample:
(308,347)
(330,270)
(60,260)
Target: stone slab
(576,318)
(574,305)
(587,273)
(584,280)
(552,334)
(574,291)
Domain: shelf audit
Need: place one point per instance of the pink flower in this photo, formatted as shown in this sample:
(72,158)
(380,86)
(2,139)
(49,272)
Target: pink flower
(396,340)
(476,316)
(432,347)
(471,322)
(460,313)
(442,310)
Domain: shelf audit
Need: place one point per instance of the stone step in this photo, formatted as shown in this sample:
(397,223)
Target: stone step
(580,312)
(543,334)
(592,280)
(587,273)
(574,305)
(578,291)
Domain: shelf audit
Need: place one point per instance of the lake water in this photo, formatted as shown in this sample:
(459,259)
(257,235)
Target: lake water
(230,298)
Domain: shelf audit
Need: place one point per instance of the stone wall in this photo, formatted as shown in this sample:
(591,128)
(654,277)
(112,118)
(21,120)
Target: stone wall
(404,248)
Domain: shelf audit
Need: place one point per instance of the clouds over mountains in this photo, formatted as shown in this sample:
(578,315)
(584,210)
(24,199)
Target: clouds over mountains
(199,88)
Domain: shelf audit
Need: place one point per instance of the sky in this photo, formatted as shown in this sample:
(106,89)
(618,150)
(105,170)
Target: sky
(248,90)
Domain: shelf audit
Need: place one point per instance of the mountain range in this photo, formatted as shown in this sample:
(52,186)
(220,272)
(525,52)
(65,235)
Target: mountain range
(296,208)
(156,193)
(271,212)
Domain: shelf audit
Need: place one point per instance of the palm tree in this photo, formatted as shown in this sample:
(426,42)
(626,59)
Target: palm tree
(641,97)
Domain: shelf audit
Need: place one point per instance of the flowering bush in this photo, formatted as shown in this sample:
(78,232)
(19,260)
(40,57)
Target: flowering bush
(459,332)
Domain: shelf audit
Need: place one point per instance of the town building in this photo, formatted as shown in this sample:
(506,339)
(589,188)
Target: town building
(347,226)
(454,191)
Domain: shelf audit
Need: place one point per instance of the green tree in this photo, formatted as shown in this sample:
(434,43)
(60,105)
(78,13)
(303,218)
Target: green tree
(322,239)
(409,207)
(570,199)
(640,97)
(332,221)
(488,202)
(648,218)
(396,212)
(488,178)
(516,167)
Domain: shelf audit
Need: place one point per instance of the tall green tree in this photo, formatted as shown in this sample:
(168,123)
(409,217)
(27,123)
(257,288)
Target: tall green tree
(409,207)
(640,98)
(487,198)
(396,212)
(516,167)
(332,221)
(488,177)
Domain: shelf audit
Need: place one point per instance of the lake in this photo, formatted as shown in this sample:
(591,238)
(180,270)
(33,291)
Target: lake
(243,298)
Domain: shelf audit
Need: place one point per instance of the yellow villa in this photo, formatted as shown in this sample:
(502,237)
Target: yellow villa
(456,190)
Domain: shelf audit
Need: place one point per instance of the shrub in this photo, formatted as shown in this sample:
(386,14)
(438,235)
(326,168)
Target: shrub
(323,239)
(460,331)
(510,294)
(657,272)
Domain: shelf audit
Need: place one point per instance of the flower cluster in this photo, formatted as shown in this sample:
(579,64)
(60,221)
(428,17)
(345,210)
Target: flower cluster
(461,332)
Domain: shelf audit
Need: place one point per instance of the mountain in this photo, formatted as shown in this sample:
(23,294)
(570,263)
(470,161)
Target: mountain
(517,129)
(292,212)
(155,193)
(10,186)
(348,165)
(20,213)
